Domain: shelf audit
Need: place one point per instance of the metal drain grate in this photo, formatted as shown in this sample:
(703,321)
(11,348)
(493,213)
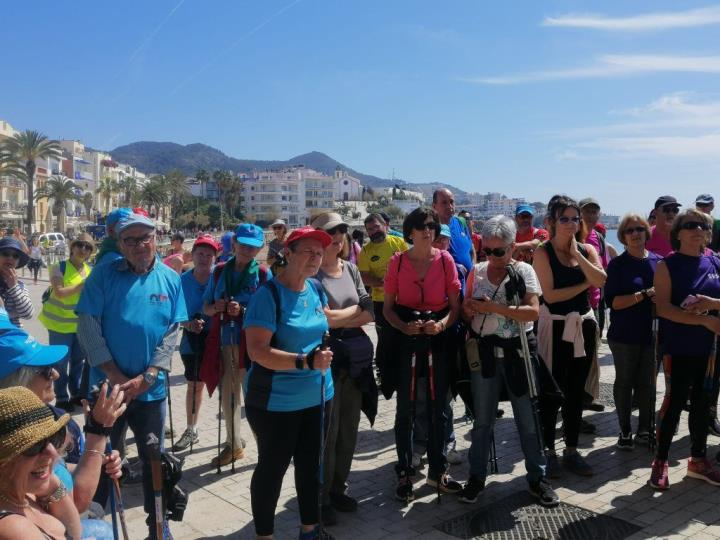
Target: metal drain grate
(518,517)
(606,394)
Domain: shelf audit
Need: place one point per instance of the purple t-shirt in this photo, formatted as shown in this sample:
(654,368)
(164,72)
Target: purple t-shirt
(627,275)
(690,275)
(658,244)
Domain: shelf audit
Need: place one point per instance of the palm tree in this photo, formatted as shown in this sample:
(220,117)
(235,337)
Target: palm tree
(26,148)
(203,177)
(107,188)
(60,190)
(177,191)
(129,188)
(154,194)
(87,202)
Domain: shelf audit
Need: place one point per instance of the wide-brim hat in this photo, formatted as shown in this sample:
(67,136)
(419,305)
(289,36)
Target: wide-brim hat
(588,201)
(84,237)
(24,421)
(10,242)
(309,232)
(279,223)
(327,221)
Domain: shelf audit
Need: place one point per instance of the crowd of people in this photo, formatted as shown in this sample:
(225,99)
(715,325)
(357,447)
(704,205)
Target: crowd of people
(510,311)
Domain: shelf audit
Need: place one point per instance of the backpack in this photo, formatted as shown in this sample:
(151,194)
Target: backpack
(48,292)
(276,299)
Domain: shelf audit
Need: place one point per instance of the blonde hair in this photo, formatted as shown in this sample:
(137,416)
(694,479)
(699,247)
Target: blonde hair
(632,216)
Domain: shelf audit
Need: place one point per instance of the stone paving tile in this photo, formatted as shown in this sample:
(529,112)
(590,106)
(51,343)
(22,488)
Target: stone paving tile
(219,505)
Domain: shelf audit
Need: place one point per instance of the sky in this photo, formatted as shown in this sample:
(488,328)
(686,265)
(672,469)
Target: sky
(618,100)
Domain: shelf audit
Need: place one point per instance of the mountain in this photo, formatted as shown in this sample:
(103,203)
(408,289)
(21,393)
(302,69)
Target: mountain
(160,157)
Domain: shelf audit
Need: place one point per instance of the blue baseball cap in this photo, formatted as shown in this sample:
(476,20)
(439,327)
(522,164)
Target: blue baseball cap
(226,240)
(250,235)
(445,230)
(18,349)
(116,215)
(135,219)
(524,209)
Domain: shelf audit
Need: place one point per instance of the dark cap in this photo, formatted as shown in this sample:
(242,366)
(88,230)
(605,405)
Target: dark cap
(666,200)
(12,243)
(704,199)
(588,201)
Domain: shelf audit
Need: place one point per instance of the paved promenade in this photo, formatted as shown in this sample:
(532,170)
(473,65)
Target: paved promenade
(219,505)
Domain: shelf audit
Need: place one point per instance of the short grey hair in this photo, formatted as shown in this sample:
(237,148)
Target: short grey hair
(22,376)
(501,227)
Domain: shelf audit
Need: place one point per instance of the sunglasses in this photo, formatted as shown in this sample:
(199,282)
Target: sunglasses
(57,440)
(631,230)
(10,253)
(495,252)
(692,225)
(84,245)
(133,241)
(342,228)
(565,220)
(47,372)
(670,209)
(432,226)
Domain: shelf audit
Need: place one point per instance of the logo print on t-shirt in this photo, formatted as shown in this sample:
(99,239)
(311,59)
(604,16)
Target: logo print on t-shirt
(158,298)
(375,258)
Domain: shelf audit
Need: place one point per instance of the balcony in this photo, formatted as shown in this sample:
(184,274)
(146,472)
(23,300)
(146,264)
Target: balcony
(9,206)
(12,182)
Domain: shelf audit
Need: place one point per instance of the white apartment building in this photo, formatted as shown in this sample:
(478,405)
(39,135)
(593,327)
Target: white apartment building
(270,195)
(321,191)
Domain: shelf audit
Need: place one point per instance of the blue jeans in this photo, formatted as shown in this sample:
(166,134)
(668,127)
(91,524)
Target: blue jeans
(486,394)
(143,418)
(75,359)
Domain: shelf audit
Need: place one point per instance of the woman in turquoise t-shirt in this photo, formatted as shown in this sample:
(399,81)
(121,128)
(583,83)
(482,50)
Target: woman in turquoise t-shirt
(285,322)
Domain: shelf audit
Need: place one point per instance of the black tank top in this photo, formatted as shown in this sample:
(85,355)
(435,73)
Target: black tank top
(567,276)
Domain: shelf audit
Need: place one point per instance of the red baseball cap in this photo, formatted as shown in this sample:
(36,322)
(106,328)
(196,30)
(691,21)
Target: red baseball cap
(309,232)
(140,211)
(206,240)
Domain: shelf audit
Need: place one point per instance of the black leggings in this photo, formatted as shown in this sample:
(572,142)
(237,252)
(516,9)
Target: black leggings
(682,373)
(282,436)
(570,374)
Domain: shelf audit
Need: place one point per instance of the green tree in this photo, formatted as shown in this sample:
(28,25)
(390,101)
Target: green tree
(25,149)
(59,189)
(177,192)
(129,188)
(107,188)
(203,177)
(154,195)
(87,202)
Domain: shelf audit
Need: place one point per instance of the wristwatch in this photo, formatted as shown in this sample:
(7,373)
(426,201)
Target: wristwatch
(300,361)
(149,377)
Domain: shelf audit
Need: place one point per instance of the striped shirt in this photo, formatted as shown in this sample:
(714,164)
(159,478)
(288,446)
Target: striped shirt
(17,302)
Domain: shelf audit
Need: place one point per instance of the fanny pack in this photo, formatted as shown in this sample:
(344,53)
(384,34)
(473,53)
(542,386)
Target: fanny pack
(408,314)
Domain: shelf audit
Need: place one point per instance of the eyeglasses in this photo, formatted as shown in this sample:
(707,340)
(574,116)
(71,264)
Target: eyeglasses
(495,252)
(84,245)
(10,253)
(631,230)
(430,226)
(692,225)
(134,241)
(565,220)
(670,209)
(48,372)
(342,229)
(57,440)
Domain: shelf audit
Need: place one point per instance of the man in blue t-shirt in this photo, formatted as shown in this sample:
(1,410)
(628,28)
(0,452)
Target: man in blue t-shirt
(129,314)
(226,295)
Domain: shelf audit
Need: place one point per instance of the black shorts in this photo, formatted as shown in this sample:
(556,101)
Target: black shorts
(192,366)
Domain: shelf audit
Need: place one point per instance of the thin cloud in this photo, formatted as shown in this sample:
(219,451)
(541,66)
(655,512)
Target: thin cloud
(157,29)
(697,147)
(637,23)
(610,66)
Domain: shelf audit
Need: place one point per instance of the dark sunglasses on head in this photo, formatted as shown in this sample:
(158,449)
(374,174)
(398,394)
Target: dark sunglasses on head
(670,209)
(432,226)
(631,230)
(57,440)
(692,225)
(495,252)
(84,245)
(342,228)
(46,372)
(10,253)
(564,219)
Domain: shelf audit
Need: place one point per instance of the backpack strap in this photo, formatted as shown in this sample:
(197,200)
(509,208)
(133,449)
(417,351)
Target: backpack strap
(276,299)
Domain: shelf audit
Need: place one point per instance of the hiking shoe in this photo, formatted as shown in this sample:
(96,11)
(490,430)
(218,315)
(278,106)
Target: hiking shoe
(703,469)
(500,413)
(343,502)
(404,488)
(625,442)
(594,406)
(328,515)
(587,428)
(552,468)
(316,534)
(454,457)
(659,478)
(226,456)
(472,489)
(189,436)
(642,438)
(575,463)
(543,492)
(445,485)
(714,427)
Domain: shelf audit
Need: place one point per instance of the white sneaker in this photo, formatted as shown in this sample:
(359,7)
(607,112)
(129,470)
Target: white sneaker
(454,457)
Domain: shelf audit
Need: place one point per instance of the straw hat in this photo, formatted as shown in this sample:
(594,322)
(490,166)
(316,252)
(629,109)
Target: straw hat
(24,421)
(84,237)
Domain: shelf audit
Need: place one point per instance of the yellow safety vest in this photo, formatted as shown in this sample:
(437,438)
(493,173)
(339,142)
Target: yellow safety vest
(58,314)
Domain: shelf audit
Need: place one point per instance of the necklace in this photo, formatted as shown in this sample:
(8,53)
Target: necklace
(7,499)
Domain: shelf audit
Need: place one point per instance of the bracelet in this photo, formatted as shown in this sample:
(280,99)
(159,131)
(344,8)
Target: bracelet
(55,496)
(96,452)
(444,326)
(645,294)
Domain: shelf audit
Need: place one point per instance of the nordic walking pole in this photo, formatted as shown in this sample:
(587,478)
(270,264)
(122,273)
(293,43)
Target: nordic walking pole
(222,360)
(196,375)
(156,467)
(321,459)
(413,393)
(121,508)
(232,396)
(167,386)
(652,432)
(439,438)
